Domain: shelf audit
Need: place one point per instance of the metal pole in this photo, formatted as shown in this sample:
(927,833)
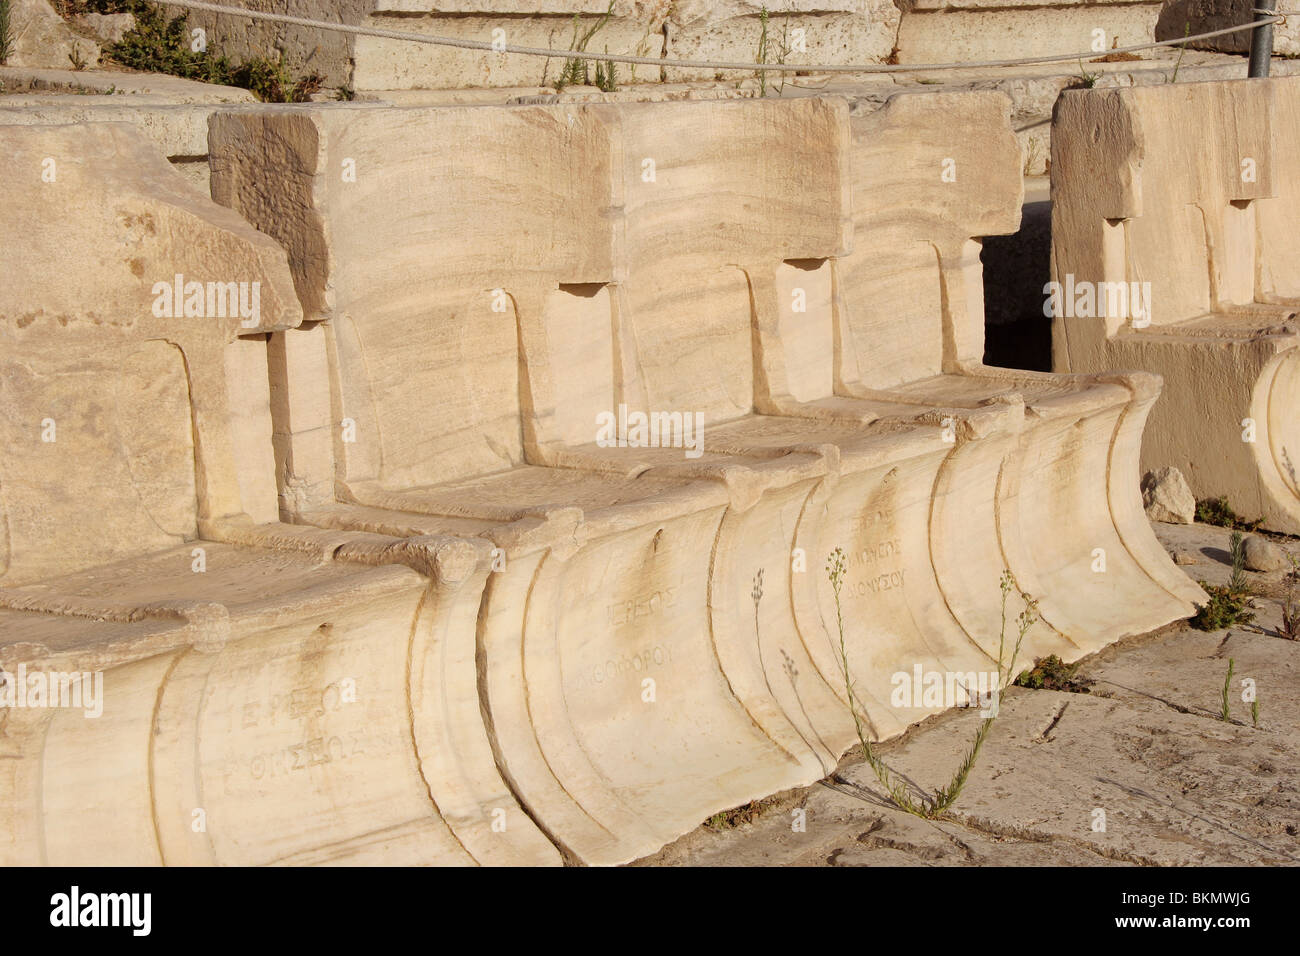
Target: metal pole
(1261,40)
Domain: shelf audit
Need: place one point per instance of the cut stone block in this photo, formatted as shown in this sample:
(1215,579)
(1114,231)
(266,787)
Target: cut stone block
(949,458)
(305,49)
(1205,16)
(42,39)
(50,86)
(177,131)
(957,31)
(269,693)
(799,31)
(843,31)
(941,170)
(384,63)
(1173,253)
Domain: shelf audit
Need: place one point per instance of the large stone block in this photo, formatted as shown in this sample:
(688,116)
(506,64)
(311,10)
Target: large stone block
(380,63)
(386,63)
(953,31)
(872,342)
(1172,244)
(844,31)
(1205,16)
(801,31)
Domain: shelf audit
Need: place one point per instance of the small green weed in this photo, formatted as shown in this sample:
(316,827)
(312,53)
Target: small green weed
(1227,604)
(1217,511)
(1051,673)
(157,44)
(1086,80)
(575,72)
(1224,609)
(1290,610)
(1224,713)
(738,816)
(930,806)
(6,31)
(606,75)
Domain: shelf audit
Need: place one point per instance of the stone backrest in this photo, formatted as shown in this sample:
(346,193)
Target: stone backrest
(1184,187)
(931,174)
(129,411)
(433,240)
(1279,267)
(727,206)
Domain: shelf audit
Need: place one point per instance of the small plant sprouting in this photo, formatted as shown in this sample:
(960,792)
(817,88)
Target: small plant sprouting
(930,806)
(1051,673)
(737,816)
(606,75)
(1224,713)
(836,565)
(1217,511)
(1182,48)
(76,59)
(766,45)
(1086,80)
(643,46)
(575,71)
(1227,605)
(1031,153)
(6,31)
(1237,549)
(783,51)
(788,665)
(1254,712)
(157,44)
(1290,610)
(1224,609)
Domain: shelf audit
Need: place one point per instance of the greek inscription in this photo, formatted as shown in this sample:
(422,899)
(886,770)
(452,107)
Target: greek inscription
(627,612)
